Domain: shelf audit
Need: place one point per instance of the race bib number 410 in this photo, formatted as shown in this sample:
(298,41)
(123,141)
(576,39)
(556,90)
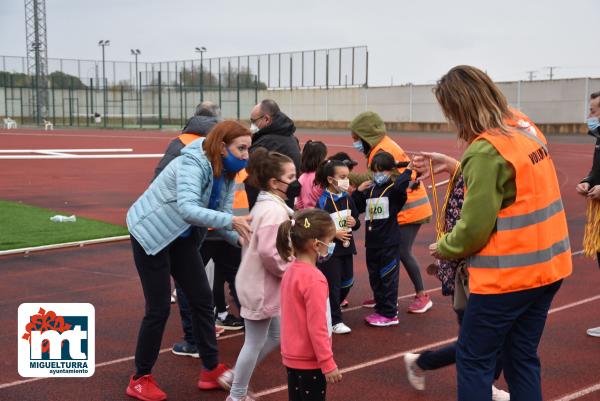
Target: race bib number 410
(378,208)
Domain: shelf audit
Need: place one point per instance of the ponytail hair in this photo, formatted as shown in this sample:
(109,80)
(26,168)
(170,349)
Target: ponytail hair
(306,225)
(264,165)
(327,169)
(384,161)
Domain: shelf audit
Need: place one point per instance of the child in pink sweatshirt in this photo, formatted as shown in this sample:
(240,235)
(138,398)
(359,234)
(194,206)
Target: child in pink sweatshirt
(313,154)
(259,276)
(305,313)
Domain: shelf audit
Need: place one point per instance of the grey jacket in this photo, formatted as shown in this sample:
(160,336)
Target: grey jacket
(177,199)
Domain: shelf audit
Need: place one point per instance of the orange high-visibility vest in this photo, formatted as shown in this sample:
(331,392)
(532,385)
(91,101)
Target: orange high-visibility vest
(186,139)
(530,245)
(417,206)
(240,199)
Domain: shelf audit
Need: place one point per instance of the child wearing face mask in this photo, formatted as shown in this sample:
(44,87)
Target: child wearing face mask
(332,176)
(261,269)
(305,325)
(382,199)
(313,154)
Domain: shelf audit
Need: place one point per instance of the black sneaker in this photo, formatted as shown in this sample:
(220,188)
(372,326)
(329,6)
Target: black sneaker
(231,323)
(185,349)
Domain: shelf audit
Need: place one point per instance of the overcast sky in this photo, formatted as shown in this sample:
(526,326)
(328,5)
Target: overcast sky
(411,41)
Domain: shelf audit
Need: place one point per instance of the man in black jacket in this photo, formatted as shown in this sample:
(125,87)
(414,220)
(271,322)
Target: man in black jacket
(274,131)
(590,185)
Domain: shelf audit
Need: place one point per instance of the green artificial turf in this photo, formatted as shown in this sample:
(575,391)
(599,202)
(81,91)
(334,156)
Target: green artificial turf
(23,226)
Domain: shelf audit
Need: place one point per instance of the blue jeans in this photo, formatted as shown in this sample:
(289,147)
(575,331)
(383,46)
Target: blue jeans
(512,323)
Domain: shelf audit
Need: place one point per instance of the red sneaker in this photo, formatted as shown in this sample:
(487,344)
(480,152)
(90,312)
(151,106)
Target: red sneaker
(209,379)
(145,389)
(344,303)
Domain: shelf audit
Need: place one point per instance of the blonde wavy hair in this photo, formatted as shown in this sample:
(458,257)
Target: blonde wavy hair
(472,102)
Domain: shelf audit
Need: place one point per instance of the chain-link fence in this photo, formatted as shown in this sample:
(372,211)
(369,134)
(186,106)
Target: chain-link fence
(154,101)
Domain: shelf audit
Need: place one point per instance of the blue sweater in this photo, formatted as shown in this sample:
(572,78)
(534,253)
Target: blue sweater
(177,199)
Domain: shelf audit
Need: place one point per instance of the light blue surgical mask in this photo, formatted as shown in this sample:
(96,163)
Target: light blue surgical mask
(330,249)
(358,146)
(380,178)
(593,123)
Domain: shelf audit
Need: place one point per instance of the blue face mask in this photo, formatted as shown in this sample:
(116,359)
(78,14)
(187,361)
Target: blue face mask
(232,164)
(358,146)
(330,249)
(380,178)
(593,123)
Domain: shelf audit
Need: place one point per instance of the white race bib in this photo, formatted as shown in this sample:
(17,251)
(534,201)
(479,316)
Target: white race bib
(378,208)
(340,219)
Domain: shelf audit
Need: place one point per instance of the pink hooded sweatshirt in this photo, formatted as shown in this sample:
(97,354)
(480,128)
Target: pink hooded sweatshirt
(259,277)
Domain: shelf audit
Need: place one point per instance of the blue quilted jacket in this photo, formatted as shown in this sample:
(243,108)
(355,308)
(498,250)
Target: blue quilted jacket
(177,199)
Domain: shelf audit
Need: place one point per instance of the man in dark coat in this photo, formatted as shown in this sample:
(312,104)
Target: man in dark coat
(274,131)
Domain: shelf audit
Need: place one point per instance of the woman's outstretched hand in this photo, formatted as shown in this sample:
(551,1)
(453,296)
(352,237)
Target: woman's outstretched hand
(241,224)
(441,163)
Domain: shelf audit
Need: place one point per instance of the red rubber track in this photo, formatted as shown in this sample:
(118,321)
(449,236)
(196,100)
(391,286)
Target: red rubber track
(105,276)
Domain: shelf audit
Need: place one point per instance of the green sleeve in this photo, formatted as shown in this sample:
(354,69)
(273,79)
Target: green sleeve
(490,183)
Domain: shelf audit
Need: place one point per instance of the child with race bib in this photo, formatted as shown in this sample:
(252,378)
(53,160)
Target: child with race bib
(332,176)
(305,323)
(382,199)
(259,276)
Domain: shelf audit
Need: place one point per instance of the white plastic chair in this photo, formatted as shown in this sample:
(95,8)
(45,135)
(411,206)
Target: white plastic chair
(10,123)
(48,125)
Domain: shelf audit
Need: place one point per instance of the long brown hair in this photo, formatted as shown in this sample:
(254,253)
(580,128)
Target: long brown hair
(223,132)
(264,165)
(471,101)
(306,225)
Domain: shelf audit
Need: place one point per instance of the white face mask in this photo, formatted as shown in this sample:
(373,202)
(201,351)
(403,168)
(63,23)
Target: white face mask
(343,184)
(253,128)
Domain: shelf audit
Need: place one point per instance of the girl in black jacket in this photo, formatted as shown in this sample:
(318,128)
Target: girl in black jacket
(332,176)
(382,200)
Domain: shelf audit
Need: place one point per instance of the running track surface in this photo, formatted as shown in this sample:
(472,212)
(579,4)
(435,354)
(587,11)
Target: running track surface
(105,276)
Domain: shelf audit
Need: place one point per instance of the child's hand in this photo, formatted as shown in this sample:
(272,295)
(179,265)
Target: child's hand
(364,185)
(343,235)
(350,221)
(433,251)
(334,376)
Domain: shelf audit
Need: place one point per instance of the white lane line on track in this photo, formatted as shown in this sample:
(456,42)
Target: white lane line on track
(579,393)
(423,348)
(108,150)
(348,369)
(71,156)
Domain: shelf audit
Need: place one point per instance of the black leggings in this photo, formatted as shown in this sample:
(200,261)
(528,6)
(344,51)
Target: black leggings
(306,385)
(182,260)
(339,273)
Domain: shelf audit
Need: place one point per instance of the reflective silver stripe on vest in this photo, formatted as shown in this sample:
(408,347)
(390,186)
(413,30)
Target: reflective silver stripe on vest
(417,203)
(239,187)
(241,211)
(524,220)
(523,131)
(522,259)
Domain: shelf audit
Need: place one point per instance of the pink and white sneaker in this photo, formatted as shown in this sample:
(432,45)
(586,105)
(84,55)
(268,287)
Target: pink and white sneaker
(421,304)
(378,320)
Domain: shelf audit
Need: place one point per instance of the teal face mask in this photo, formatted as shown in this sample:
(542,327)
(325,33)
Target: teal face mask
(330,249)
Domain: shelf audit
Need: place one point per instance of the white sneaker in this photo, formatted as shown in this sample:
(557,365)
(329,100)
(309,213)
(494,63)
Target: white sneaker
(341,328)
(412,371)
(594,332)
(174,296)
(499,395)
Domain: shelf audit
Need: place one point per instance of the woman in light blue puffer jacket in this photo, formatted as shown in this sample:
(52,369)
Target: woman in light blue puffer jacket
(167,225)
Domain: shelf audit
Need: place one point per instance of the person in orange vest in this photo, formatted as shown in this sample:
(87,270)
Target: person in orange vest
(513,232)
(370,136)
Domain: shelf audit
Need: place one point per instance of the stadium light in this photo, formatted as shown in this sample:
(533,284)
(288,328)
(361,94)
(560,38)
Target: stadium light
(103,44)
(201,50)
